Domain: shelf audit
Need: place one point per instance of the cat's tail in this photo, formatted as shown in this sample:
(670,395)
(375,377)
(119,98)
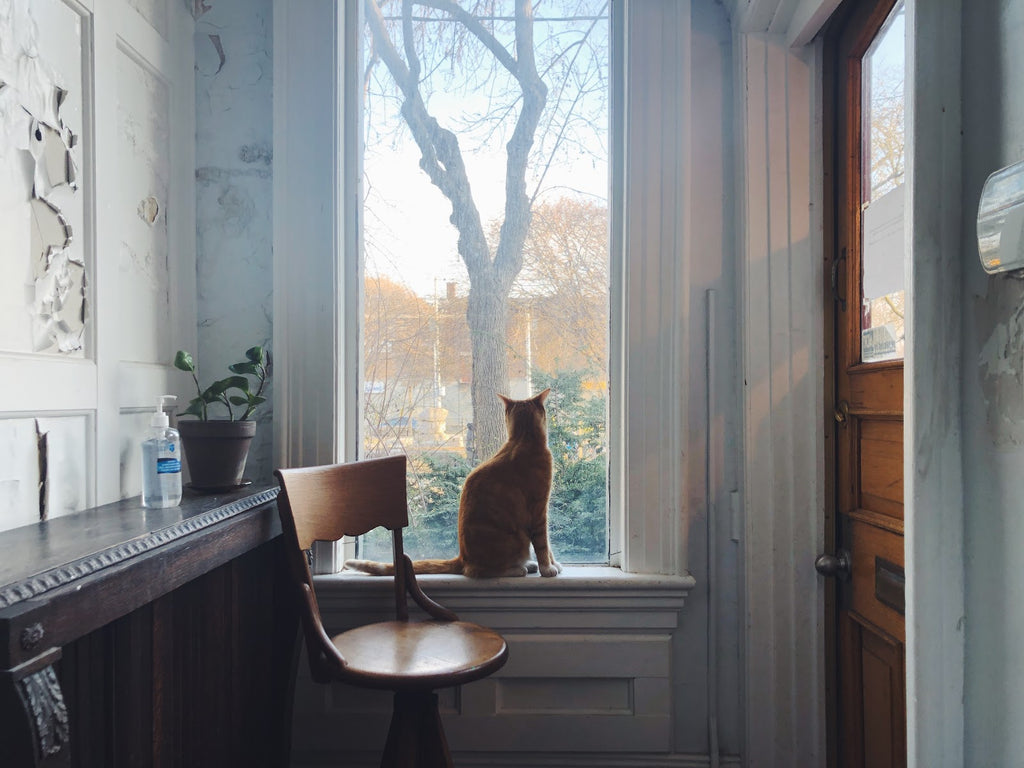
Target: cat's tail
(374,568)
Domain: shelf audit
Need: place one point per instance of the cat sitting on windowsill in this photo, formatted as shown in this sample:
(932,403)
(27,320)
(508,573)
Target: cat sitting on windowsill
(503,508)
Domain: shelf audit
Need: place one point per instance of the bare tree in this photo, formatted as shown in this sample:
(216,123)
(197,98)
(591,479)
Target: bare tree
(496,54)
(398,364)
(886,132)
(565,279)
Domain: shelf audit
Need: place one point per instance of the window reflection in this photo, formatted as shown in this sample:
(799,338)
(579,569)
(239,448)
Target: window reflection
(882,190)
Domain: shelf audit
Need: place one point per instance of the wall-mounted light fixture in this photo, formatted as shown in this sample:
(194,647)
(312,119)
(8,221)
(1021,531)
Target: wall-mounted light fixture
(1001,221)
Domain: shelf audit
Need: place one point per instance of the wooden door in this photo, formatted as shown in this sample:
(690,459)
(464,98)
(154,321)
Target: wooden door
(867,281)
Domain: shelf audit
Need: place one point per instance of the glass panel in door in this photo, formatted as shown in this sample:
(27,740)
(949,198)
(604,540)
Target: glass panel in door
(882,193)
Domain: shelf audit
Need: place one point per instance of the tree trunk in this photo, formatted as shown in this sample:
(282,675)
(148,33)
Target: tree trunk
(490,278)
(487,316)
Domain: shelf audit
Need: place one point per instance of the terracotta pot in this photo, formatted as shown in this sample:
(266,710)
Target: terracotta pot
(215,452)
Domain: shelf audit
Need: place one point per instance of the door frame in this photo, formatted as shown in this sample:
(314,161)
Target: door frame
(932,464)
(780,602)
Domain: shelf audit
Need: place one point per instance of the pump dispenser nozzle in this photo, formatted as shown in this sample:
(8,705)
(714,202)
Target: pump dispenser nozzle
(160,419)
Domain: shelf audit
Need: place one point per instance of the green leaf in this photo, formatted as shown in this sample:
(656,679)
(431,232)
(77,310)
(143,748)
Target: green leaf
(183,361)
(215,390)
(237,382)
(255,354)
(250,368)
(211,394)
(237,400)
(255,400)
(195,408)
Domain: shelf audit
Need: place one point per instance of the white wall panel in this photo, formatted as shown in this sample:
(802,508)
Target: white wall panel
(114,83)
(155,14)
(143,126)
(783,373)
(43,130)
(44,467)
(591,656)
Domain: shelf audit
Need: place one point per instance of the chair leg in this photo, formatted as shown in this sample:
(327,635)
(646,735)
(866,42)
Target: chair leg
(416,737)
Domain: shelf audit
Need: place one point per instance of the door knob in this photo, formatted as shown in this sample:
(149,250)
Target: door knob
(834,565)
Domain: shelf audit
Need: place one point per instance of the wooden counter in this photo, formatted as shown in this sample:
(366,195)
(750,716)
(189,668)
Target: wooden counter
(141,637)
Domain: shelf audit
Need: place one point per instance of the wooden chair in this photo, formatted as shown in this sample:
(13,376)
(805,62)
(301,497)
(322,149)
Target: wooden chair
(411,658)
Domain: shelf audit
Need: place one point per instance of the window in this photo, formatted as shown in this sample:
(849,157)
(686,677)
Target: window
(655,426)
(884,157)
(485,245)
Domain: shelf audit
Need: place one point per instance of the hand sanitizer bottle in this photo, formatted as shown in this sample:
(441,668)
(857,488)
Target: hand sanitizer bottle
(161,461)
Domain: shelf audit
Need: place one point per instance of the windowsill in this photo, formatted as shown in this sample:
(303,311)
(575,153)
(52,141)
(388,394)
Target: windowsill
(573,577)
(580,598)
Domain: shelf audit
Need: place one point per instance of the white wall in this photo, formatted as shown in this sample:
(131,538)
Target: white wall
(234,195)
(82,399)
(779,114)
(993,399)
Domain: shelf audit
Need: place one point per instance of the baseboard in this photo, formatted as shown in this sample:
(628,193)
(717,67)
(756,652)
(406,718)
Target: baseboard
(533,760)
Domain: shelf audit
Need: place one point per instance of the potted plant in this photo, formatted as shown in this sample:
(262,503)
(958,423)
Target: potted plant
(216,449)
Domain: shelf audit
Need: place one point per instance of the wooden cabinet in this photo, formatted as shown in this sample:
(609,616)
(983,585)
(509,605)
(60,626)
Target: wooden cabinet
(135,637)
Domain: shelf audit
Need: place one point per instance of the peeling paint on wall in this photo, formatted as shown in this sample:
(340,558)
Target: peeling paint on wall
(219,48)
(1000,315)
(256,153)
(43,468)
(197,7)
(43,454)
(149,209)
(40,204)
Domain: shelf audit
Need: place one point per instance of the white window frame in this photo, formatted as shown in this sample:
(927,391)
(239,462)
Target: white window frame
(655,321)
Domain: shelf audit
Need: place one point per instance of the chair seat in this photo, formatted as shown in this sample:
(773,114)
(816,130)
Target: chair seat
(419,655)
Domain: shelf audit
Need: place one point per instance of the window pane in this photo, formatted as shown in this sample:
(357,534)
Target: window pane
(485,251)
(882,305)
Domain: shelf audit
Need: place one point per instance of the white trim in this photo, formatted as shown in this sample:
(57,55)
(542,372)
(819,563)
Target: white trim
(307,231)
(655,286)
(807,20)
(933,490)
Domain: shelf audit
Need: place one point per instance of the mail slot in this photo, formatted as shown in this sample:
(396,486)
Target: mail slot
(890,584)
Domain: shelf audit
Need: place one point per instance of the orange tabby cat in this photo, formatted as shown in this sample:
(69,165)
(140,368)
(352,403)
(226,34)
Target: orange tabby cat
(504,505)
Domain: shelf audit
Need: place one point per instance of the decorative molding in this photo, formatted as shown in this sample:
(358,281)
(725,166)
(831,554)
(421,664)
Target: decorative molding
(31,636)
(43,700)
(34,586)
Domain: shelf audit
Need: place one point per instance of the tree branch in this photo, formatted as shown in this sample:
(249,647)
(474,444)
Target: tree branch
(441,157)
(509,256)
(472,23)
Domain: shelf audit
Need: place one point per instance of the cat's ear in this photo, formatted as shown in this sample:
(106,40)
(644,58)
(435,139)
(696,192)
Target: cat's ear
(505,400)
(543,395)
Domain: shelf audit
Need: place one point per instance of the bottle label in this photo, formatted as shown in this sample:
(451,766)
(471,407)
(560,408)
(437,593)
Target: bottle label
(167,466)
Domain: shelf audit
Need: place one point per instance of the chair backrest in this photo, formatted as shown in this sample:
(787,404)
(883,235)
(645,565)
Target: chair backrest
(338,500)
(325,503)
